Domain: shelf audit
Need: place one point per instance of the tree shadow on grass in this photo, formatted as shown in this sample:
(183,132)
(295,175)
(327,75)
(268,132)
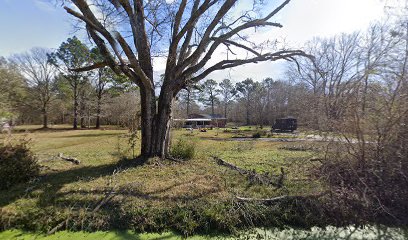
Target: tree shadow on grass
(61,129)
(100,134)
(153,195)
(51,183)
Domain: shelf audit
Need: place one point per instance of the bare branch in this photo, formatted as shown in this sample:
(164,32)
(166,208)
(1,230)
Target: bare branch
(284,54)
(91,67)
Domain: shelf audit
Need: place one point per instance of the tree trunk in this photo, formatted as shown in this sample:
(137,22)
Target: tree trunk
(82,114)
(98,123)
(82,121)
(75,123)
(148,109)
(45,118)
(156,126)
(98,113)
(161,131)
(188,102)
(247,113)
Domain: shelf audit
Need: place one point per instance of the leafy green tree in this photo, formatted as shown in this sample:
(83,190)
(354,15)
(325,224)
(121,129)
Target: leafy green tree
(12,89)
(209,94)
(227,92)
(246,90)
(188,97)
(102,77)
(72,54)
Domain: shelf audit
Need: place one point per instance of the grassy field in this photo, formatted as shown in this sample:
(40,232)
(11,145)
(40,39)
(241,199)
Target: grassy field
(192,196)
(329,233)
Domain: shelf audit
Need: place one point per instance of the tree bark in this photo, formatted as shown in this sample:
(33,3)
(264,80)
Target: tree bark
(188,102)
(75,122)
(148,109)
(156,125)
(161,131)
(98,111)
(212,106)
(45,118)
(98,120)
(247,111)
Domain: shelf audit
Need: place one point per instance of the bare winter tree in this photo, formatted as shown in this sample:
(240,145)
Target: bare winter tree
(332,75)
(40,76)
(130,33)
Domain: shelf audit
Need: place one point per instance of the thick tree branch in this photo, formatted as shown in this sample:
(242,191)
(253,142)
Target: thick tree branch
(229,42)
(225,64)
(204,42)
(189,34)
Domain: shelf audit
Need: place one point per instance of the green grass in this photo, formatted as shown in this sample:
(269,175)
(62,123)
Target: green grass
(329,233)
(189,197)
(112,235)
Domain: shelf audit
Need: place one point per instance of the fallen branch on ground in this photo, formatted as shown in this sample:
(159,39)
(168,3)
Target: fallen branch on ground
(281,198)
(69,159)
(59,226)
(253,176)
(108,196)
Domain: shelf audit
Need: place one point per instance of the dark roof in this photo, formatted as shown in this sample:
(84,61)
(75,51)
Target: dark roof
(287,118)
(204,115)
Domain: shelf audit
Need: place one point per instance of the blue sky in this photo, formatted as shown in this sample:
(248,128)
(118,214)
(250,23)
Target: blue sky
(31,23)
(38,23)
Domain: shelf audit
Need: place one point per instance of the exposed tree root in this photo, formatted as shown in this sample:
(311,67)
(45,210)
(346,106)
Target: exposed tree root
(253,177)
(174,159)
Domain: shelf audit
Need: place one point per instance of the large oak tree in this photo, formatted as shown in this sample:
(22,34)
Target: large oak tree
(188,33)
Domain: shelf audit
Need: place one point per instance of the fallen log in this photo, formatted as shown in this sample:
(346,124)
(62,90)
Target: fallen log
(69,159)
(275,199)
(281,198)
(253,176)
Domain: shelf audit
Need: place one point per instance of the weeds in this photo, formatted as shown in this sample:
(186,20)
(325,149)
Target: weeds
(183,149)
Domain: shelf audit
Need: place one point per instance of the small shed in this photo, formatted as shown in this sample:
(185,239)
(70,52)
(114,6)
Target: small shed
(285,124)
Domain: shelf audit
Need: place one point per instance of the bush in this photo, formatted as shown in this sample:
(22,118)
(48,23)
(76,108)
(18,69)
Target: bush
(256,135)
(17,165)
(372,184)
(183,149)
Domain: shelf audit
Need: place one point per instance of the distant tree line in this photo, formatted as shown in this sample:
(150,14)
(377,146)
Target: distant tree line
(40,87)
(247,102)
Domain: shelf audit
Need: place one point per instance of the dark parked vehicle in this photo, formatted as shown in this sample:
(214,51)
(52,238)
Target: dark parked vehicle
(285,124)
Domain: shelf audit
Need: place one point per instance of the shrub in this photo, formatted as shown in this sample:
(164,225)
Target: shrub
(371,184)
(256,135)
(17,165)
(183,149)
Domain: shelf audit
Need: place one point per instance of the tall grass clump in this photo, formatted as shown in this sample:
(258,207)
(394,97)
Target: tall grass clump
(183,149)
